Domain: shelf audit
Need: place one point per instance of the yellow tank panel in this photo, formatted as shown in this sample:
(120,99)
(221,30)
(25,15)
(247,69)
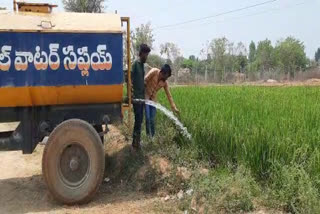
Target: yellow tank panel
(63,95)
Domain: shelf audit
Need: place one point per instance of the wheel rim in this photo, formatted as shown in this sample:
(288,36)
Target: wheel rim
(74,165)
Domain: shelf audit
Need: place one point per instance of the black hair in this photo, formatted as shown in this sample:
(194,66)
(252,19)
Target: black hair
(166,69)
(144,49)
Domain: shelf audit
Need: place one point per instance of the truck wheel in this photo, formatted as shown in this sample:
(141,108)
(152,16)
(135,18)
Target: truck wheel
(73,162)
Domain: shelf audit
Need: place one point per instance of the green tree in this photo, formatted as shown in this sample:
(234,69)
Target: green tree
(178,62)
(170,49)
(317,56)
(264,56)
(240,55)
(218,49)
(230,59)
(252,52)
(192,57)
(142,35)
(187,63)
(155,61)
(84,6)
(226,57)
(190,62)
(242,62)
(290,55)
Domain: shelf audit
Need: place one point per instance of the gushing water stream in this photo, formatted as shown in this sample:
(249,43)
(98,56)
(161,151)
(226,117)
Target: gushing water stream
(169,114)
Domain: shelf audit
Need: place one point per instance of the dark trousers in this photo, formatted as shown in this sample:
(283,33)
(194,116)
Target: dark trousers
(150,120)
(138,118)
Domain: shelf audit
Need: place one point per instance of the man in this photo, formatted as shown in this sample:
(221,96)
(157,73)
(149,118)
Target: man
(138,92)
(154,81)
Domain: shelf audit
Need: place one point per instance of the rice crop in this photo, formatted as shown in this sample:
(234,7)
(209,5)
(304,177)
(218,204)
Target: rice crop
(260,127)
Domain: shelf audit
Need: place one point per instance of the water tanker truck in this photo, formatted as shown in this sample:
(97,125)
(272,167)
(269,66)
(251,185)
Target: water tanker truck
(61,75)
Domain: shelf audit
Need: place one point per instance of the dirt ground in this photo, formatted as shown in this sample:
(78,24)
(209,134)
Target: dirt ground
(22,188)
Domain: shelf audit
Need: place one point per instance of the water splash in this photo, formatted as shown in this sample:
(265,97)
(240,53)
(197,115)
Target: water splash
(169,114)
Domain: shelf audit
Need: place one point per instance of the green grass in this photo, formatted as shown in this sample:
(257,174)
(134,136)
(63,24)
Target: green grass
(272,131)
(226,191)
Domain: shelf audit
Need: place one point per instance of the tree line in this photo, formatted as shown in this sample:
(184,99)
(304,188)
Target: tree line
(219,56)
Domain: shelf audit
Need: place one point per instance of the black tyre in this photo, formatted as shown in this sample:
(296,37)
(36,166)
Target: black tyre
(73,162)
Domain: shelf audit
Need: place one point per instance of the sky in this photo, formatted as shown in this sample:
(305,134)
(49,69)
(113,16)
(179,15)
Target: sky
(275,20)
